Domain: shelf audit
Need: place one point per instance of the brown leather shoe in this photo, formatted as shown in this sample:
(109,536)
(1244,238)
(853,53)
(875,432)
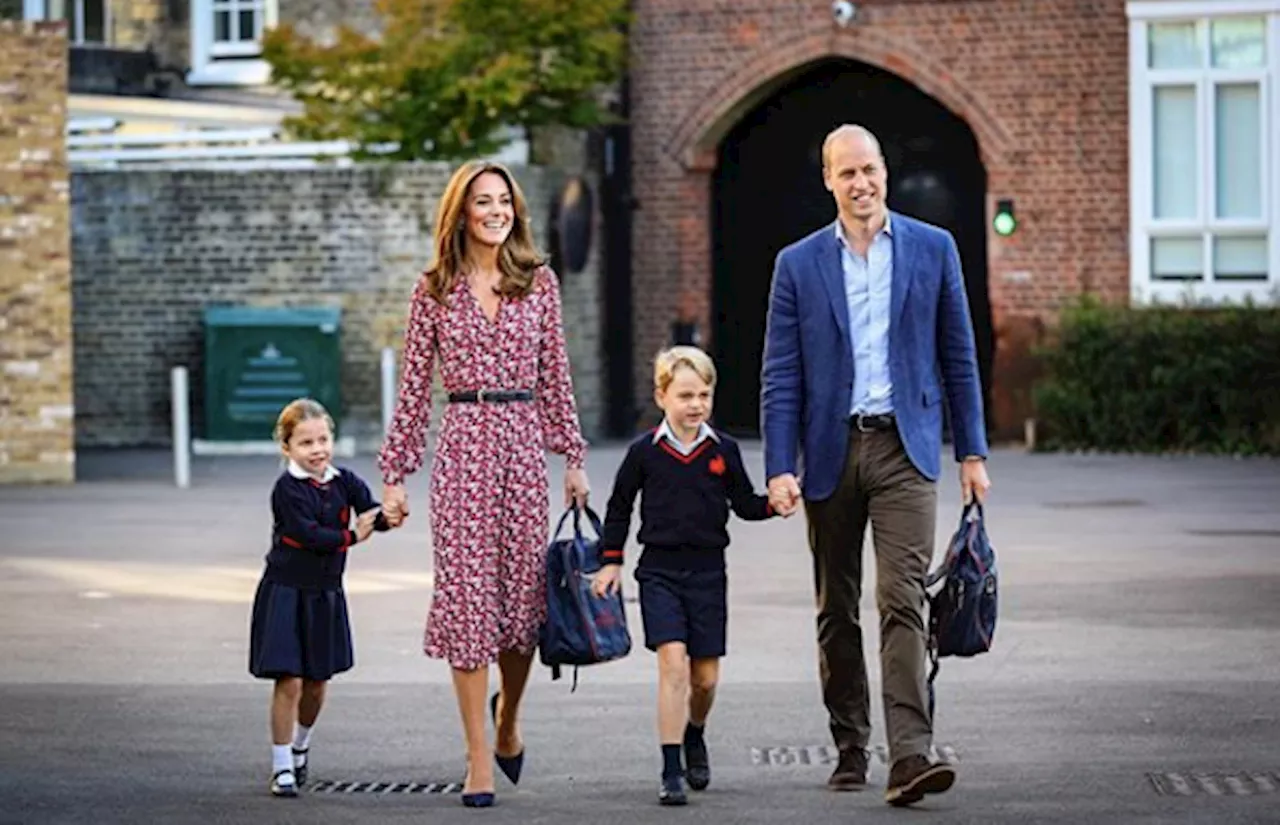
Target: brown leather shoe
(851,771)
(912,777)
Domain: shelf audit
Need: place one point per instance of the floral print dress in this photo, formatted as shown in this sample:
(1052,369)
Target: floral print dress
(489,487)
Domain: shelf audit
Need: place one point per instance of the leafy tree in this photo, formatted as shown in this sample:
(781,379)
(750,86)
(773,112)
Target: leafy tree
(445,75)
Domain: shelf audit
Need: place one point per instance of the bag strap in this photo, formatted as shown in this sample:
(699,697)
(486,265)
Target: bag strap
(576,512)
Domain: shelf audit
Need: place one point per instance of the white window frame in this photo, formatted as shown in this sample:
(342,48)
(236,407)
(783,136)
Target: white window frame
(39,10)
(226,64)
(1143,225)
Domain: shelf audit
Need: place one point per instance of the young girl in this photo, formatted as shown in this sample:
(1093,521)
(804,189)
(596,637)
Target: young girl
(688,476)
(300,634)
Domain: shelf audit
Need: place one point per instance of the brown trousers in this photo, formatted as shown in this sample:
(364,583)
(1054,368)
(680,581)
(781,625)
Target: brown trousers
(879,484)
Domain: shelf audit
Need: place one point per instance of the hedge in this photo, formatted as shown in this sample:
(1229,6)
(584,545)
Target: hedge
(1162,379)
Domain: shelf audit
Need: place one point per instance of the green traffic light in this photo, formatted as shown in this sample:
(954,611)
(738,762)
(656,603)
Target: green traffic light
(1005,223)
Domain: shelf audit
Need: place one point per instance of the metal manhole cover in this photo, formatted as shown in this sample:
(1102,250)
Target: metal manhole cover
(1262,534)
(1241,783)
(334,786)
(1101,503)
(781,755)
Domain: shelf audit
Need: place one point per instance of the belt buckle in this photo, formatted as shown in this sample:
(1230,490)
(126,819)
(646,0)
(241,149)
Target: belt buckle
(480,396)
(857,422)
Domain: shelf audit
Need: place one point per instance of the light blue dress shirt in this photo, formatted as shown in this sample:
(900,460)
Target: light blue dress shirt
(867,285)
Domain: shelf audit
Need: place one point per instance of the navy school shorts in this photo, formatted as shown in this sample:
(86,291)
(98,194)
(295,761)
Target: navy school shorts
(684,606)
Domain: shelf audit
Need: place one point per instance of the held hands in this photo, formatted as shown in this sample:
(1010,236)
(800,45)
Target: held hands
(395,504)
(784,494)
(606,580)
(364,523)
(974,480)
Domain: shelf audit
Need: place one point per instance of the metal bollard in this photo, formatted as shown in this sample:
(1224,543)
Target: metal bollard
(181,427)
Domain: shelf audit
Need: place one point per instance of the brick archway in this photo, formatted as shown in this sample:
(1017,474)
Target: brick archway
(694,142)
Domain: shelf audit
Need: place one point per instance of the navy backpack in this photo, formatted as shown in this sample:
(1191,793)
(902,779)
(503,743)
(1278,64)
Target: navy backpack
(580,629)
(962,613)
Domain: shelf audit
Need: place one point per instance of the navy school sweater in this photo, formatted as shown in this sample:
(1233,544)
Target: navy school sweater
(684,502)
(311,534)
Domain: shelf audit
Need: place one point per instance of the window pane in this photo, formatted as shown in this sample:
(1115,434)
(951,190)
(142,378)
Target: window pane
(1177,259)
(1240,259)
(1237,114)
(1174,136)
(1173,46)
(95,21)
(248,29)
(1238,42)
(221,26)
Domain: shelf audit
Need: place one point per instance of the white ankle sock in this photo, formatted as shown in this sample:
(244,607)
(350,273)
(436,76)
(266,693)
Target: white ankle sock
(281,759)
(301,738)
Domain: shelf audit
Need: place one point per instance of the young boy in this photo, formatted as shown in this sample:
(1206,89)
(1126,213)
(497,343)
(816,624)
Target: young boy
(688,475)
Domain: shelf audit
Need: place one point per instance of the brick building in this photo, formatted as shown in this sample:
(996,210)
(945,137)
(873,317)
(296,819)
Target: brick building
(1134,142)
(36,426)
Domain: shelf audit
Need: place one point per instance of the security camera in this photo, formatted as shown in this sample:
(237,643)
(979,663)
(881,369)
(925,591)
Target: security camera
(843,12)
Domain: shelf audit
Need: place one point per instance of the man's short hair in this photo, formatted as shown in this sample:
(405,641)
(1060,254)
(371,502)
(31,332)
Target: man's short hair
(673,358)
(847,130)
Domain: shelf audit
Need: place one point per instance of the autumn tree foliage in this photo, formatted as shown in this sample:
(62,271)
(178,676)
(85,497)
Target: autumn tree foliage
(442,77)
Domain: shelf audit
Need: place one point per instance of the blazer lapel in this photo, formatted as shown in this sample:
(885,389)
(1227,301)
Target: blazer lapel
(903,269)
(828,253)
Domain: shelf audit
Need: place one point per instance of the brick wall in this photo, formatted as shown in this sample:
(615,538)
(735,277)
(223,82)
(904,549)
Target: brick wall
(151,249)
(36,431)
(1043,86)
(319,18)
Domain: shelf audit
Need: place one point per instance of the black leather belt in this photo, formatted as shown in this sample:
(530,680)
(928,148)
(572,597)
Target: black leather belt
(490,396)
(873,423)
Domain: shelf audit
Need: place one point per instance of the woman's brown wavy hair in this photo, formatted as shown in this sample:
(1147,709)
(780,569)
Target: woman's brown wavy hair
(518,258)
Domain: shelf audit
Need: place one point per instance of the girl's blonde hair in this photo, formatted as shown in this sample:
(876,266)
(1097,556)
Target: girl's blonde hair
(297,411)
(518,257)
(673,358)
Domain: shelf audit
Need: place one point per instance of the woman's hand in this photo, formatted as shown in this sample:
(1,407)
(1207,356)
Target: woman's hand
(576,488)
(606,580)
(395,504)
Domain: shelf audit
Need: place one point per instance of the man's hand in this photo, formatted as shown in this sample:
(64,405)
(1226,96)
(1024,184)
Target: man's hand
(784,494)
(395,504)
(973,480)
(606,580)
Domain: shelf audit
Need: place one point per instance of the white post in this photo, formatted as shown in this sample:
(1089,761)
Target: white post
(181,427)
(388,386)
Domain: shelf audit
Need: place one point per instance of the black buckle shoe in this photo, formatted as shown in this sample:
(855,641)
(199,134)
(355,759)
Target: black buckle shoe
(672,791)
(284,783)
(300,768)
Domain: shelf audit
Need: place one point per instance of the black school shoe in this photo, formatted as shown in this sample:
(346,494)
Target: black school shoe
(672,791)
(300,770)
(697,764)
(284,783)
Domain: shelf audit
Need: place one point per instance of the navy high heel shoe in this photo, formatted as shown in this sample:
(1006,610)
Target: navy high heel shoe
(511,766)
(484,799)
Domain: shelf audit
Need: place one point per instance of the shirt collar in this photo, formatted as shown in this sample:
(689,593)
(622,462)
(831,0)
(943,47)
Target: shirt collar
(886,229)
(704,432)
(329,474)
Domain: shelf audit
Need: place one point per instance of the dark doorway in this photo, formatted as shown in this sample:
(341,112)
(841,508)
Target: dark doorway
(768,193)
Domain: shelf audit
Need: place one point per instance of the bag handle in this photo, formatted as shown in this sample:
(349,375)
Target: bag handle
(592,519)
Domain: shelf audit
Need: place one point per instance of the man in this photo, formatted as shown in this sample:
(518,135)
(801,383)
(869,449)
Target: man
(868,325)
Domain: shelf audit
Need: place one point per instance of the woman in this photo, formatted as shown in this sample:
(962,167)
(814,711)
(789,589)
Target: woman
(489,310)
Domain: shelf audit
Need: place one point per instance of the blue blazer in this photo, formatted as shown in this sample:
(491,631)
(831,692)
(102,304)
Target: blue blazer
(807,374)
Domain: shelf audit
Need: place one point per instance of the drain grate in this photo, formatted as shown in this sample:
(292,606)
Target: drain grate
(334,786)
(783,755)
(1102,503)
(1242,783)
